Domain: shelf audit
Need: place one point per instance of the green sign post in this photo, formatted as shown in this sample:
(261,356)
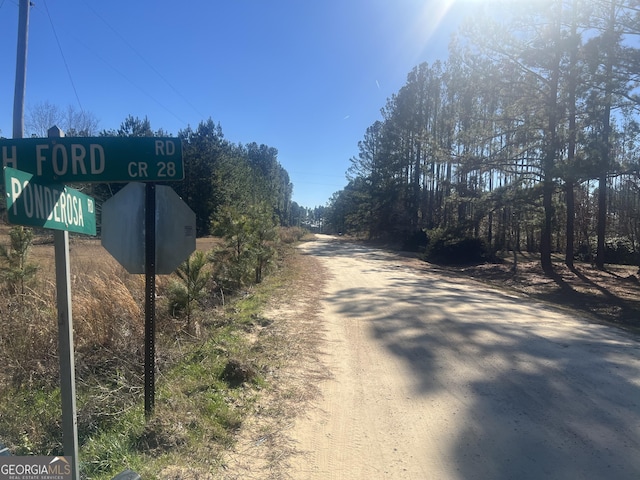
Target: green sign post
(96,159)
(30,201)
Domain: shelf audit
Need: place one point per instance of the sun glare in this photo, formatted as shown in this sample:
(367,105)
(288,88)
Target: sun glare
(430,17)
(435,20)
(427,22)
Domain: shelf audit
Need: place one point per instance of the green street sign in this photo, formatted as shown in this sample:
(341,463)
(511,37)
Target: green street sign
(96,159)
(30,201)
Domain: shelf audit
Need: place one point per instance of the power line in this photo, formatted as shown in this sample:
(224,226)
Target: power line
(144,91)
(155,70)
(80,42)
(64,60)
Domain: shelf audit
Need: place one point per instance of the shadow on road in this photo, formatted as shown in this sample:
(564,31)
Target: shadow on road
(559,398)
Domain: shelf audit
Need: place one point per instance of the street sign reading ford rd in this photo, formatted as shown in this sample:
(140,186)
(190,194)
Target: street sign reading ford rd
(96,159)
(37,204)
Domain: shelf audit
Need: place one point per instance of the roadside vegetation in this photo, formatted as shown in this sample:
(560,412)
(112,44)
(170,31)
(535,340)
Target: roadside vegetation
(211,362)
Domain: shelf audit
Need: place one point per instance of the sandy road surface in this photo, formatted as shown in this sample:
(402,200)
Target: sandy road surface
(438,378)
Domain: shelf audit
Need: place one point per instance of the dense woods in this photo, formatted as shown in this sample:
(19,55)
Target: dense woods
(525,138)
(220,175)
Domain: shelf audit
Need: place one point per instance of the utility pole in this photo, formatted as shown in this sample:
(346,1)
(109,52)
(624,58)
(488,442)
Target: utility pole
(21,69)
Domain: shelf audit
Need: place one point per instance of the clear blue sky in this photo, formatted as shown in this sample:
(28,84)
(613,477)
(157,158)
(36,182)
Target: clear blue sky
(304,76)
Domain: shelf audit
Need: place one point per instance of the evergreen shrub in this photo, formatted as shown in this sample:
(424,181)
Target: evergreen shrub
(415,241)
(451,248)
(620,250)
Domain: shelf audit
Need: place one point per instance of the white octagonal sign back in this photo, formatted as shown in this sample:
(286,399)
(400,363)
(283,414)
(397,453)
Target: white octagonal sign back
(123,228)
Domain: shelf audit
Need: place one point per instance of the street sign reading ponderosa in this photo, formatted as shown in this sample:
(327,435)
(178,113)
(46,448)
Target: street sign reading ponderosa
(35,203)
(96,159)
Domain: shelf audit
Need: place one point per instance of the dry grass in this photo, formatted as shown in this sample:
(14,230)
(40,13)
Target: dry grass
(291,235)
(28,339)
(108,319)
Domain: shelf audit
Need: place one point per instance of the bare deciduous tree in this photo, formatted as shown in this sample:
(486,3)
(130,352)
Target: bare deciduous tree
(44,115)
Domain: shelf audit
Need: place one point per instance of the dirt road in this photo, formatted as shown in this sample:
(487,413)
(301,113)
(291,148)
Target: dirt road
(441,378)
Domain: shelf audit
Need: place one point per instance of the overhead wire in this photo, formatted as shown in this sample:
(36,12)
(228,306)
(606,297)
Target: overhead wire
(64,60)
(143,90)
(149,64)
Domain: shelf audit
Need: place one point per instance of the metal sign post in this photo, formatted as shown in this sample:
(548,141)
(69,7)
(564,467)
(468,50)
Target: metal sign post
(148,229)
(150,299)
(65,344)
(65,350)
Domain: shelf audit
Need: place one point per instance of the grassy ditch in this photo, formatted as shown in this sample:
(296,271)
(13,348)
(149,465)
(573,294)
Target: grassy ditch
(202,396)
(210,368)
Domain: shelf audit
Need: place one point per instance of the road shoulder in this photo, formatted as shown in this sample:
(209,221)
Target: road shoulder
(295,334)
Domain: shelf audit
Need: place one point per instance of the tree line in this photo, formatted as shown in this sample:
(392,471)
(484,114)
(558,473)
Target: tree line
(525,138)
(220,175)
(221,178)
